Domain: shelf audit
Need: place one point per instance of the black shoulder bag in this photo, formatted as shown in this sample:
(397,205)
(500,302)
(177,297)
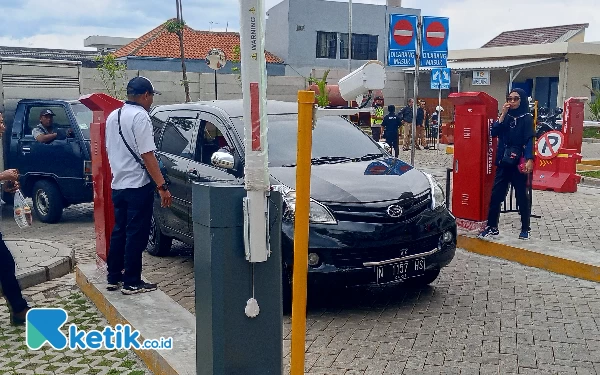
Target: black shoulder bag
(512,154)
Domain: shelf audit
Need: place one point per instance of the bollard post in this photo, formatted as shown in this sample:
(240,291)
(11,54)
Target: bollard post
(306,101)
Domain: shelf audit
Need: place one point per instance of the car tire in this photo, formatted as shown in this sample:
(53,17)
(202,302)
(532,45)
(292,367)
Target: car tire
(286,289)
(427,278)
(47,201)
(159,244)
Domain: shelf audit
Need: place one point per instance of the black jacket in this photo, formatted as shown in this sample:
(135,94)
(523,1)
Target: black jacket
(420,116)
(391,122)
(407,114)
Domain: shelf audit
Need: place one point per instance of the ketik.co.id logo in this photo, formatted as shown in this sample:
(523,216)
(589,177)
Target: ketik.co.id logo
(43,326)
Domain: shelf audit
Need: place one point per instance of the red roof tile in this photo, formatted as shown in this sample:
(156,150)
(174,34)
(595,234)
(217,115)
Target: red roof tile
(540,35)
(160,43)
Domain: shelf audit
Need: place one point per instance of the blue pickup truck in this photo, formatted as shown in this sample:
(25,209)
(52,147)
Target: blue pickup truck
(57,174)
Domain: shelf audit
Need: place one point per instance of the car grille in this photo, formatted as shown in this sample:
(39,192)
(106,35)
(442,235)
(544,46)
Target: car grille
(356,257)
(376,212)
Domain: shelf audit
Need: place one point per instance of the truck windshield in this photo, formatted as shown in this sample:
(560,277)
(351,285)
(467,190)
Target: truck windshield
(83,116)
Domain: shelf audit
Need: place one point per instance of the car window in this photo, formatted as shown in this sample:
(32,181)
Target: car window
(178,136)
(158,122)
(332,137)
(33,117)
(211,141)
(83,116)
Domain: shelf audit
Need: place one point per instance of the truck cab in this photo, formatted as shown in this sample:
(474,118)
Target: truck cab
(56,174)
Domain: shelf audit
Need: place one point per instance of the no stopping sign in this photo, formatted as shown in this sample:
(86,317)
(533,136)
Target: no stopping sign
(548,145)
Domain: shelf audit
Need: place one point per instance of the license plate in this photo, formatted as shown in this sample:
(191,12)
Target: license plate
(388,273)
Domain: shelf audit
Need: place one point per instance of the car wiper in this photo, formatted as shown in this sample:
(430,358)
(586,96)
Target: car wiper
(371,156)
(329,160)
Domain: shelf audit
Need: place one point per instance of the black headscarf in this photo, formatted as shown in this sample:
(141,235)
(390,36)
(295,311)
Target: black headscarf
(523,104)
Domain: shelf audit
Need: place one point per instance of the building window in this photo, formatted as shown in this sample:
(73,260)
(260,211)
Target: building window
(326,45)
(595,87)
(364,46)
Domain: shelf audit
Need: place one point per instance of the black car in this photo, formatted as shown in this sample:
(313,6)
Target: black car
(374,219)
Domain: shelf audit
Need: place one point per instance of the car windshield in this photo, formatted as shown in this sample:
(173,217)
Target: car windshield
(83,116)
(334,139)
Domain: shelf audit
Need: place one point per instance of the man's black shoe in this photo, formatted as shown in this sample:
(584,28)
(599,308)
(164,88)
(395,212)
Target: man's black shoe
(111,287)
(139,288)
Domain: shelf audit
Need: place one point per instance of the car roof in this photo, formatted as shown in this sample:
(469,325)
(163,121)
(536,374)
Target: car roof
(233,108)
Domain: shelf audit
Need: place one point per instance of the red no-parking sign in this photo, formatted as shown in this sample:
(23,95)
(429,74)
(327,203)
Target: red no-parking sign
(402,40)
(404,32)
(548,145)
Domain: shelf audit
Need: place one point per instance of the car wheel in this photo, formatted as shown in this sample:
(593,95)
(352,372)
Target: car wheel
(427,278)
(286,289)
(47,201)
(159,244)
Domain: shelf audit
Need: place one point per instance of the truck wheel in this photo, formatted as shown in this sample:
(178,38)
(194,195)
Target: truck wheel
(47,201)
(159,244)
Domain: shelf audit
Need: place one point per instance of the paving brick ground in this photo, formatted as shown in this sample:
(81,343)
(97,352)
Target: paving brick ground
(17,359)
(482,315)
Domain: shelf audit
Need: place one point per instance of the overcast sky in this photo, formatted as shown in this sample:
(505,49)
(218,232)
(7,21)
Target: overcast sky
(65,23)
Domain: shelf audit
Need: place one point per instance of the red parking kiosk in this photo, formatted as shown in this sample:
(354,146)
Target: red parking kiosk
(104,219)
(474,155)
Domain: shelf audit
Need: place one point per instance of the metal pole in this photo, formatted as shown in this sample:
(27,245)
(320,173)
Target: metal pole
(216,90)
(439,117)
(306,101)
(349,36)
(416,93)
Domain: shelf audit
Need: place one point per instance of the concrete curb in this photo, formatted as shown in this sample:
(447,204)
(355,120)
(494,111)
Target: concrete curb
(592,162)
(167,319)
(58,266)
(531,258)
(591,140)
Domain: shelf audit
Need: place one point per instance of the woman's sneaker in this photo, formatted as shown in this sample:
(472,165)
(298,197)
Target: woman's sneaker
(489,232)
(524,235)
(139,288)
(111,287)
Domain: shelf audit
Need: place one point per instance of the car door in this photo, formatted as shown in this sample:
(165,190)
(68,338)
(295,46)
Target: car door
(212,136)
(176,150)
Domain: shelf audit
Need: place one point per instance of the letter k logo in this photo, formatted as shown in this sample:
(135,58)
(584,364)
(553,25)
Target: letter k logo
(43,325)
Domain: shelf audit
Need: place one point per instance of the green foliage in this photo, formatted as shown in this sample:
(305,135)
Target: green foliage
(112,74)
(174,26)
(235,60)
(323,96)
(594,105)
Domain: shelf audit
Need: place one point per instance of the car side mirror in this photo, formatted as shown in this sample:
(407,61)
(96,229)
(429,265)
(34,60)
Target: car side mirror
(223,160)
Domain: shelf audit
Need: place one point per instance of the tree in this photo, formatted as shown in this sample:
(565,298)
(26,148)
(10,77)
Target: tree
(112,74)
(594,105)
(323,95)
(176,27)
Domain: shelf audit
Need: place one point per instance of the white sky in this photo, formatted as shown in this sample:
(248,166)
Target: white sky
(42,23)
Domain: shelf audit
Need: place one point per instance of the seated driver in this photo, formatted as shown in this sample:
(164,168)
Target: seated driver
(44,132)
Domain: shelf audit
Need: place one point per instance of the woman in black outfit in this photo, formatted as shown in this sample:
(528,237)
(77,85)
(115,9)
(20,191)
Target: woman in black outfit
(515,133)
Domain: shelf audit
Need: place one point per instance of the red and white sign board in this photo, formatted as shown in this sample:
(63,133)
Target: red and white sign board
(435,34)
(403,32)
(548,145)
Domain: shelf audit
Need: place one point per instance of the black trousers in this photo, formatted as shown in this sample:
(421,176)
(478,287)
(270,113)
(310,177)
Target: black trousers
(376,133)
(504,177)
(8,280)
(129,238)
(392,140)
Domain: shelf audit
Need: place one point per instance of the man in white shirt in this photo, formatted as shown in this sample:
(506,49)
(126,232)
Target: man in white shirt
(130,147)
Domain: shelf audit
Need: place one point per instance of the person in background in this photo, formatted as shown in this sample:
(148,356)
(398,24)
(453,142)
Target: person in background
(391,123)
(45,132)
(377,118)
(407,116)
(8,280)
(515,133)
(420,141)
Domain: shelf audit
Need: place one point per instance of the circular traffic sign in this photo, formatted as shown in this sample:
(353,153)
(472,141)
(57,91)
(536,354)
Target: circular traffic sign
(549,143)
(403,32)
(435,34)
(216,59)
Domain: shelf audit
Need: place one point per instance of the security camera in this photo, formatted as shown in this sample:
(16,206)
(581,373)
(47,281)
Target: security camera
(369,77)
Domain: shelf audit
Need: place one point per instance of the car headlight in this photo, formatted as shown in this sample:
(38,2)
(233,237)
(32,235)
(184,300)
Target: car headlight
(438,199)
(319,214)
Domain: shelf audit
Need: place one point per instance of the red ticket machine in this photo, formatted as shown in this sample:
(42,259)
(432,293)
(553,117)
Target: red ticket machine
(104,219)
(474,154)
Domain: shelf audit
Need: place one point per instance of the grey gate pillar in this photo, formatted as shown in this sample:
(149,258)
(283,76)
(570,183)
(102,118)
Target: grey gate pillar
(227,341)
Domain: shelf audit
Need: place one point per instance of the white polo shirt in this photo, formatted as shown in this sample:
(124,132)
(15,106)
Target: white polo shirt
(137,130)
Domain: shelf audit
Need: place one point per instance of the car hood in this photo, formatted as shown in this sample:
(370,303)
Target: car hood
(358,182)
